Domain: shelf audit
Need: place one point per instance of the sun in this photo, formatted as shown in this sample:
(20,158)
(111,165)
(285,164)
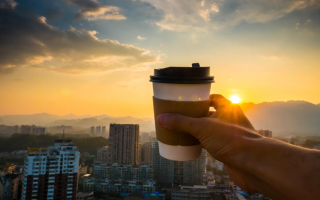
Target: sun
(235,98)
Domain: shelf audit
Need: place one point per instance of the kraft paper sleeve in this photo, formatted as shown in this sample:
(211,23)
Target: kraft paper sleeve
(188,108)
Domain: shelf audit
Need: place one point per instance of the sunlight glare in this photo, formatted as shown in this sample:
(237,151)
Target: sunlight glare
(235,98)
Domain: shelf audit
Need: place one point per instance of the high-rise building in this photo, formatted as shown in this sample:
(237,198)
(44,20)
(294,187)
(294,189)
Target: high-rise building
(104,132)
(123,143)
(92,131)
(265,133)
(145,151)
(98,131)
(51,173)
(177,172)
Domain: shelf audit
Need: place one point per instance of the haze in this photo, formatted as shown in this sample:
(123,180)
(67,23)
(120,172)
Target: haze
(90,57)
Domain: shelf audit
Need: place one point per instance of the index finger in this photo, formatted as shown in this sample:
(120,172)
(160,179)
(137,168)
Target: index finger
(218,101)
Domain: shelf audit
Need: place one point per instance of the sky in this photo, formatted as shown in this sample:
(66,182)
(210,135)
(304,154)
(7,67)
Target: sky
(95,57)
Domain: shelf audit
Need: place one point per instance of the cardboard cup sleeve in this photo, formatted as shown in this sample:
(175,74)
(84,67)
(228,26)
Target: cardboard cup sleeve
(188,108)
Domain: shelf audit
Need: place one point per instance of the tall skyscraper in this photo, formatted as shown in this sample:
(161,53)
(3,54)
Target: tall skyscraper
(104,132)
(98,131)
(92,131)
(51,173)
(123,143)
(177,172)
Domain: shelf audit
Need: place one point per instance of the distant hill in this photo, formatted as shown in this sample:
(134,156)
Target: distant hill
(292,117)
(283,118)
(88,122)
(40,119)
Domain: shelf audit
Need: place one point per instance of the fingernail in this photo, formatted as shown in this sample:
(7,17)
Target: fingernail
(162,119)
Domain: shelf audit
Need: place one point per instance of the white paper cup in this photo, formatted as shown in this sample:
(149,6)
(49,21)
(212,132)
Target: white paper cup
(191,90)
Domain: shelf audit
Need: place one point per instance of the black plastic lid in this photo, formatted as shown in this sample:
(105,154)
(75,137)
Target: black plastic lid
(183,75)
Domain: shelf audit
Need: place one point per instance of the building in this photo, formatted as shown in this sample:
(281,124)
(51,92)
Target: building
(123,143)
(217,165)
(265,133)
(177,172)
(35,130)
(104,131)
(145,137)
(104,154)
(163,168)
(51,173)
(119,186)
(153,134)
(26,129)
(98,131)
(92,131)
(125,172)
(192,192)
(9,186)
(16,129)
(145,152)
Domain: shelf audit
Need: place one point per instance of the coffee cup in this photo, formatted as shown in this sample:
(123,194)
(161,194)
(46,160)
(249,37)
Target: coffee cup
(183,90)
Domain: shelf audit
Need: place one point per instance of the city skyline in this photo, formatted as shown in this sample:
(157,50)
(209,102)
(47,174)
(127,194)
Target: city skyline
(70,60)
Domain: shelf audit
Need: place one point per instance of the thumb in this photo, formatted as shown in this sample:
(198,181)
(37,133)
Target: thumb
(181,123)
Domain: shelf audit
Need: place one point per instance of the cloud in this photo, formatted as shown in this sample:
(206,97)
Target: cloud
(197,15)
(141,38)
(53,14)
(27,40)
(8,4)
(92,10)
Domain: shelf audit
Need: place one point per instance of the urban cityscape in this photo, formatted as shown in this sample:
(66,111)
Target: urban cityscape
(159,100)
(129,167)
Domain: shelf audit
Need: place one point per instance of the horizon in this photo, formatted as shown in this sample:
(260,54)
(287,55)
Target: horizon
(59,58)
(151,116)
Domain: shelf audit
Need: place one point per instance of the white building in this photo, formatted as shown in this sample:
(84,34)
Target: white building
(51,173)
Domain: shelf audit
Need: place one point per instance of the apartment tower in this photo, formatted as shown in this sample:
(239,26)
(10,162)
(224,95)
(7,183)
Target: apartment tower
(51,173)
(123,143)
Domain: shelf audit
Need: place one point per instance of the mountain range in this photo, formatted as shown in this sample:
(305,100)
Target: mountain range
(283,118)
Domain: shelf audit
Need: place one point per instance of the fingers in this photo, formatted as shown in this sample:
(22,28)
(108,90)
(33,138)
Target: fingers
(181,123)
(218,101)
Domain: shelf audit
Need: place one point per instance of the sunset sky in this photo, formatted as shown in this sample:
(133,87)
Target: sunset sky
(95,57)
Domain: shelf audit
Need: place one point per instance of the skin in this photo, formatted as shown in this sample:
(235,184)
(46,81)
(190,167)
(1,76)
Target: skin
(256,164)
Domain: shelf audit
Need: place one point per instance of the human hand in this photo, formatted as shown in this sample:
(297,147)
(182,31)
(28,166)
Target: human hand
(223,134)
